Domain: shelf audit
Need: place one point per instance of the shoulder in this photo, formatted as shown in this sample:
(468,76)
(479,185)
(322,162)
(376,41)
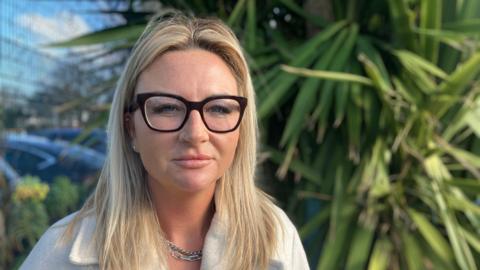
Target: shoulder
(289,250)
(54,251)
(284,220)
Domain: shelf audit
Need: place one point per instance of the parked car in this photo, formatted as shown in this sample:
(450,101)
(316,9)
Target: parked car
(95,139)
(38,156)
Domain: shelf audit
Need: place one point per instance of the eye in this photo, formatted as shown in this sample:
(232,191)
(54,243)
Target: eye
(218,109)
(166,109)
(222,107)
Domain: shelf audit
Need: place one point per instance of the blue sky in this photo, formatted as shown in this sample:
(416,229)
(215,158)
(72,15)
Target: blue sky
(26,25)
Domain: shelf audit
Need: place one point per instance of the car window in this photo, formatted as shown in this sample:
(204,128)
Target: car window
(23,162)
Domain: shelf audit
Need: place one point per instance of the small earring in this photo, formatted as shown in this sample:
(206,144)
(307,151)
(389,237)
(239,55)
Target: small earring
(134,147)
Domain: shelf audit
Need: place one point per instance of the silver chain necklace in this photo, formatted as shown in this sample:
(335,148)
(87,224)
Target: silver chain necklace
(182,254)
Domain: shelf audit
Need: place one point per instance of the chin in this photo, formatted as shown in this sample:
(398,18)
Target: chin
(193,188)
(195,184)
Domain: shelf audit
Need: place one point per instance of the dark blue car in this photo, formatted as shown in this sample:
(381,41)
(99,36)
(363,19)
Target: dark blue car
(38,156)
(95,139)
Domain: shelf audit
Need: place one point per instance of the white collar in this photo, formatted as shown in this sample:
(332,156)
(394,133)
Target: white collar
(84,250)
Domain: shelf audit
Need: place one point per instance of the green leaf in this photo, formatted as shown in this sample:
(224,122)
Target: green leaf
(468,10)
(367,47)
(118,33)
(463,75)
(419,62)
(430,18)
(411,251)
(461,250)
(402,23)
(262,79)
(466,26)
(283,83)
(381,254)
(341,98)
(432,235)
(354,121)
(420,78)
(295,165)
(315,222)
(338,197)
(457,124)
(471,186)
(251,25)
(325,102)
(384,87)
(462,204)
(237,12)
(472,239)
(263,62)
(472,118)
(435,168)
(282,46)
(469,160)
(328,75)
(288,157)
(453,39)
(374,177)
(306,98)
(461,154)
(359,251)
(333,249)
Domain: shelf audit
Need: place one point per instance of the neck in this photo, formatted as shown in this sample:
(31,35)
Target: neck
(184,217)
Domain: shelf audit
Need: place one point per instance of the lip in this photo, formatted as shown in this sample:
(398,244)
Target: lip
(193,161)
(194,157)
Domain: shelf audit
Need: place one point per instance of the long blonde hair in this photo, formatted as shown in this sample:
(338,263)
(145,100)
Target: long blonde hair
(125,220)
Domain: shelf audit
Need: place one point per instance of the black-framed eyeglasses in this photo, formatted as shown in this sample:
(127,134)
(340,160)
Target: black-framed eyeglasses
(168,113)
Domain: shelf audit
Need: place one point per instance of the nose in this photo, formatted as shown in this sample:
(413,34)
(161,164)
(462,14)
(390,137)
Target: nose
(194,130)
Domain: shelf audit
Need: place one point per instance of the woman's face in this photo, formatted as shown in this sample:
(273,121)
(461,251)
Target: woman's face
(193,158)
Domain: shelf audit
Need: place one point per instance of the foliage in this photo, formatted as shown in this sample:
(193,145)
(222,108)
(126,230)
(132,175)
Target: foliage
(377,118)
(27,219)
(27,222)
(30,188)
(62,198)
(29,210)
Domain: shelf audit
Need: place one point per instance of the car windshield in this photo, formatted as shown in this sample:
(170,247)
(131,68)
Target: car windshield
(82,153)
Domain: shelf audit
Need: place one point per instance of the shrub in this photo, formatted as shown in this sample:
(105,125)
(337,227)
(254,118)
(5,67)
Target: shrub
(27,218)
(62,198)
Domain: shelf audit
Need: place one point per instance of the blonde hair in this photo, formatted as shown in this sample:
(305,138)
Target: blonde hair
(126,226)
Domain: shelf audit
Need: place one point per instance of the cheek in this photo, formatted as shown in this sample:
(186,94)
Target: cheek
(149,142)
(139,126)
(230,144)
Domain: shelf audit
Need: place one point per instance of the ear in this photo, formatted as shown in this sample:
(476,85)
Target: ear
(129,125)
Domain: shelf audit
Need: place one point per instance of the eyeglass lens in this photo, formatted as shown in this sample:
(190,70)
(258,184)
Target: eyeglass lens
(167,113)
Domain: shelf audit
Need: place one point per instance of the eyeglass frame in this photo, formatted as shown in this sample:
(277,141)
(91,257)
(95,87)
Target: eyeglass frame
(140,99)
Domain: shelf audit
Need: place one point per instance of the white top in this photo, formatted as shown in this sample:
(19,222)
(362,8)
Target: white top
(80,253)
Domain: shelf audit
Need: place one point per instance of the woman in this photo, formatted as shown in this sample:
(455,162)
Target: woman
(177,190)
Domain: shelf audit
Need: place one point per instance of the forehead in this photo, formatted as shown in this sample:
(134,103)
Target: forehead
(193,74)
